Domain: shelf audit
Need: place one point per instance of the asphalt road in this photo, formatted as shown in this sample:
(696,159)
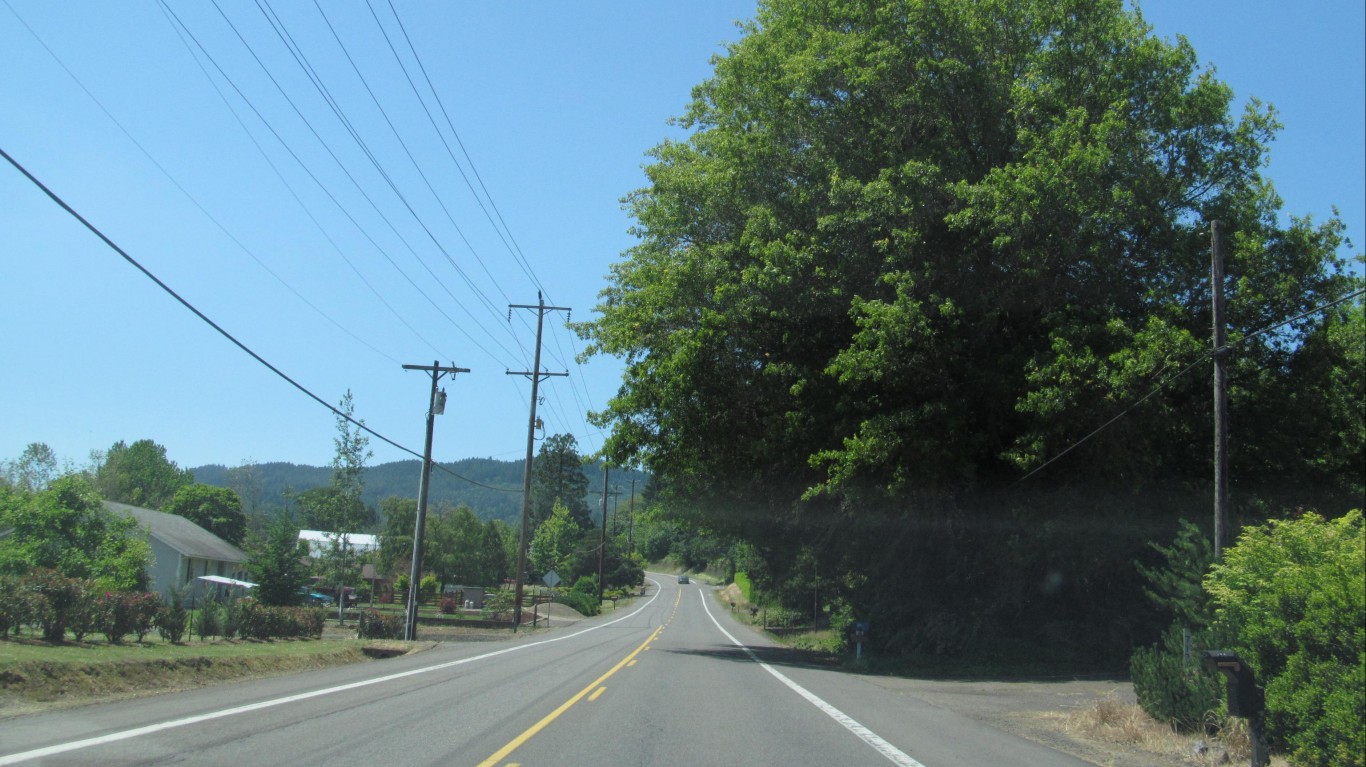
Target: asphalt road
(672,681)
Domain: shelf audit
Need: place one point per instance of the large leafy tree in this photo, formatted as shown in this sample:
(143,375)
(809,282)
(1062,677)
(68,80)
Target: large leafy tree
(922,246)
(398,517)
(911,250)
(556,544)
(32,470)
(140,474)
(453,540)
(216,509)
(68,529)
(557,476)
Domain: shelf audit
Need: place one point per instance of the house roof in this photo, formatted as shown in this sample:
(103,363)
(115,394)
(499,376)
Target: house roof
(181,534)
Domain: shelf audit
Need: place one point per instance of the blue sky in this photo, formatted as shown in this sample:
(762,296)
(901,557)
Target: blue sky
(556,104)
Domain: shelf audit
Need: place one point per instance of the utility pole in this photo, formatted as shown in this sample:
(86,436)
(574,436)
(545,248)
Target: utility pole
(436,405)
(602,544)
(1220,392)
(535,374)
(631,521)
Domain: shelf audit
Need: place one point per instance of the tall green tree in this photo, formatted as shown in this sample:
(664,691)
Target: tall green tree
(68,529)
(352,451)
(398,518)
(453,540)
(557,475)
(140,474)
(493,563)
(277,564)
(556,545)
(911,250)
(33,469)
(216,509)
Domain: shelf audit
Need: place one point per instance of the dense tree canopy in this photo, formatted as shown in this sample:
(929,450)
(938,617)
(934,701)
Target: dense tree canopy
(927,245)
(277,565)
(32,470)
(912,250)
(557,476)
(216,509)
(67,528)
(140,474)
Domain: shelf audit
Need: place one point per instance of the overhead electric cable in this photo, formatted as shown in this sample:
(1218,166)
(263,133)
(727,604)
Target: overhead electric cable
(416,165)
(195,201)
(183,302)
(1203,358)
(515,249)
(301,59)
(327,191)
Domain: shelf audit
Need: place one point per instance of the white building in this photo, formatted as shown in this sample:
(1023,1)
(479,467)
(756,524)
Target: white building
(320,541)
(181,550)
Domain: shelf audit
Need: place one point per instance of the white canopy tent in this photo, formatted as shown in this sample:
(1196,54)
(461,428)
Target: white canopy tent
(222,581)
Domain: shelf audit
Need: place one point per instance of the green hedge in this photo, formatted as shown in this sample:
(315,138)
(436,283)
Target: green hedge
(746,587)
(1292,591)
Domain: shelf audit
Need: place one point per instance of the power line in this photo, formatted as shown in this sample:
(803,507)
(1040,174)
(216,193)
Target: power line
(193,200)
(1203,358)
(346,171)
(183,302)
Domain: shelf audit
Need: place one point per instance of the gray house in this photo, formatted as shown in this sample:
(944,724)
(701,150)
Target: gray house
(183,551)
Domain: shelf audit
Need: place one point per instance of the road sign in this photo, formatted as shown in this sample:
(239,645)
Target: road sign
(551,579)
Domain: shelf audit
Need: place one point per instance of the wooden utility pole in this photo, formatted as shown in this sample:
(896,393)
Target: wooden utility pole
(1220,392)
(436,405)
(535,374)
(602,542)
(631,521)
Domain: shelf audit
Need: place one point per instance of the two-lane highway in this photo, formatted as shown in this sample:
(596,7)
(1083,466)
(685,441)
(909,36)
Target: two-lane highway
(674,680)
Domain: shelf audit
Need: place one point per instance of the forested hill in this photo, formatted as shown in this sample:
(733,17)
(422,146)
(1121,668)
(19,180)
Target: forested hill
(500,499)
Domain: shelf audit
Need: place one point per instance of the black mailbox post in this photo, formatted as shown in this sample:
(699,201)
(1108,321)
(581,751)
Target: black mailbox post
(1245,698)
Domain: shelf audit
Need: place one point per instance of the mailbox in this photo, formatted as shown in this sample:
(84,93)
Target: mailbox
(858,631)
(1245,698)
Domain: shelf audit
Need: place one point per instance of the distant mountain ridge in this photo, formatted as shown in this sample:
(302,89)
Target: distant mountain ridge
(498,494)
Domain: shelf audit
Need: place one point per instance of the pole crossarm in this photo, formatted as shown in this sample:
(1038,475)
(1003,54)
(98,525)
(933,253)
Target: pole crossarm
(423,486)
(440,371)
(536,375)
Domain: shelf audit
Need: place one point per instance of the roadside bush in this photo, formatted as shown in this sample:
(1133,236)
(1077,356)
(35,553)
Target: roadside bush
(83,616)
(746,587)
(428,586)
(1292,590)
(143,608)
(53,599)
(233,617)
(171,621)
(258,621)
(449,605)
(587,604)
(498,605)
(208,619)
(114,619)
(14,605)
(1176,689)
(586,584)
(376,625)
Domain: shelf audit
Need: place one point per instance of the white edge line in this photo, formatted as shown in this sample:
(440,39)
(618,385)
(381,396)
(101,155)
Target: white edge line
(893,754)
(114,737)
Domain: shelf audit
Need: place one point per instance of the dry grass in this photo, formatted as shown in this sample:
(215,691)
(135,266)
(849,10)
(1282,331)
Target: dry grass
(1112,721)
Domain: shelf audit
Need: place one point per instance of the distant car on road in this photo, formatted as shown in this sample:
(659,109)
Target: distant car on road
(683,579)
(314,599)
